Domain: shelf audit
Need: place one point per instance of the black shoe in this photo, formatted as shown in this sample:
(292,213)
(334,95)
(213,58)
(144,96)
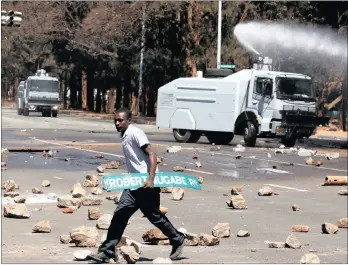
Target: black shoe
(99,257)
(177,250)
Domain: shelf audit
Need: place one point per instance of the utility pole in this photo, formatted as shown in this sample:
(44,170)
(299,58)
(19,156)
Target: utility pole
(141,58)
(218,59)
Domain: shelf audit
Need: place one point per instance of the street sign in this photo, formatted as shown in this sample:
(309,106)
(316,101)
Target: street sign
(162,179)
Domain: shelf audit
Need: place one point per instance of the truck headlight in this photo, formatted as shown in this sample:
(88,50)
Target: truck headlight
(31,107)
(55,107)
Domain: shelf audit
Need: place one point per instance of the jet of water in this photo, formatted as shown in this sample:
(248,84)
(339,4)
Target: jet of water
(269,38)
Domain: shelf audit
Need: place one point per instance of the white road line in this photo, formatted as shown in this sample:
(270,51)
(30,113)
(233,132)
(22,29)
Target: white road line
(71,147)
(277,161)
(199,171)
(284,187)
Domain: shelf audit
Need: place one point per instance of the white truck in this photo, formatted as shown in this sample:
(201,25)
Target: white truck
(41,94)
(20,98)
(255,103)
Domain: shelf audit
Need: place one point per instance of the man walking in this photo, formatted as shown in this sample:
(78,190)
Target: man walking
(140,158)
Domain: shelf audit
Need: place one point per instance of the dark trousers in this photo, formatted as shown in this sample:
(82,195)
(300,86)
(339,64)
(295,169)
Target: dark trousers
(148,201)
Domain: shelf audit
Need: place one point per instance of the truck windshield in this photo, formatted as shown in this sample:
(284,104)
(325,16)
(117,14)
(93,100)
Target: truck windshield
(44,85)
(294,89)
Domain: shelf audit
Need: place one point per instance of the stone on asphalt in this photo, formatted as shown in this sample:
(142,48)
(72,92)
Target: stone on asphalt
(237,202)
(243,233)
(84,236)
(36,191)
(343,222)
(162,261)
(310,258)
(328,228)
(274,244)
(96,191)
(295,207)
(178,194)
(42,227)
(104,221)
(292,242)
(265,191)
(208,240)
(178,169)
(129,254)
(65,203)
(78,192)
(46,183)
(300,228)
(222,230)
(65,239)
(82,254)
(91,181)
(91,201)
(19,199)
(94,213)
(11,194)
(18,211)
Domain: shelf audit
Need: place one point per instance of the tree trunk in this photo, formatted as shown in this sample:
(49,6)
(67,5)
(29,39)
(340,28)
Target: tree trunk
(134,107)
(111,100)
(98,101)
(103,102)
(90,90)
(126,90)
(84,90)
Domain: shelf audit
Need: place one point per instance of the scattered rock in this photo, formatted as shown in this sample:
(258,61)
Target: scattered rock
(100,169)
(3,164)
(310,258)
(67,159)
(162,261)
(167,189)
(65,203)
(282,146)
(84,236)
(154,236)
(222,230)
(36,191)
(253,250)
(96,191)
(78,184)
(305,152)
(343,192)
(112,165)
(91,200)
(200,180)
(243,233)
(332,156)
(16,211)
(78,192)
(280,151)
(238,157)
(300,228)
(236,190)
(195,156)
(178,168)
(91,181)
(163,210)
(104,221)
(129,254)
(173,149)
(191,239)
(111,197)
(276,244)
(19,199)
(50,153)
(94,213)
(11,194)
(42,227)
(265,191)
(10,185)
(178,194)
(328,228)
(52,196)
(198,164)
(46,183)
(343,222)
(99,156)
(116,200)
(208,240)
(70,209)
(82,254)
(292,242)
(237,202)
(295,207)
(65,239)
(239,148)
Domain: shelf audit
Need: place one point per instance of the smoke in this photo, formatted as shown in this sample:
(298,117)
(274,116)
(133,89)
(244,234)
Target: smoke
(275,39)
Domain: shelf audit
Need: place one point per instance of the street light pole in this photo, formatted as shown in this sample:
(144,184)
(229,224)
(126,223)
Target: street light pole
(141,59)
(218,59)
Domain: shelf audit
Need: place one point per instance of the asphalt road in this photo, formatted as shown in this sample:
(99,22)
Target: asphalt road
(267,218)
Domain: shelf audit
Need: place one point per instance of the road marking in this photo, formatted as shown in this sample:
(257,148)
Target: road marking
(199,171)
(71,147)
(274,170)
(277,161)
(284,187)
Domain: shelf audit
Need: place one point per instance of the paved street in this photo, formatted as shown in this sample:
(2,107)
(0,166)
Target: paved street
(267,217)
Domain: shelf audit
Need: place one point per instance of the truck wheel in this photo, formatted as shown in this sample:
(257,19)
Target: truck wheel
(250,134)
(289,142)
(26,112)
(194,137)
(220,138)
(20,111)
(54,113)
(181,135)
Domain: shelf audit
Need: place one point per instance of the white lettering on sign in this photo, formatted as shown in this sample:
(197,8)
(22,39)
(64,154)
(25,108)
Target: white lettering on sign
(138,181)
(192,182)
(183,180)
(166,180)
(126,181)
(119,182)
(112,182)
(178,180)
(132,180)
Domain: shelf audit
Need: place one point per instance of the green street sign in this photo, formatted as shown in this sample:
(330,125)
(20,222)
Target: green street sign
(162,179)
(223,66)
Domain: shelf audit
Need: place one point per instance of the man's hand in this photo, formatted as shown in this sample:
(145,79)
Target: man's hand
(148,184)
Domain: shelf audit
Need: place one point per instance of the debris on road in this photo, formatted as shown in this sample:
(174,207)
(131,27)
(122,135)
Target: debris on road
(215,148)
(269,155)
(236,190)
(99,156)
(274,244)
(282,146)
(200,179)
(167,189)
(328,228)
(65,239)
(91,200)
(243,233)
(129,254)
(332,156)
(265,191)
(343,222)
(312,162)
(305,152)
(42,227)
(310,258)
(222,230)
(96,191)
(52,196)
(94,213)
(162,261)
(78,192)
(104,221)
(280,151)
(335,180)
(178,169)
(19,199)
(237,202)
(11,194)
(91,181)
(173,149)
(292,242)
(208,240)
(300,228)
(70,209)
(10,185)
(178,194)
(343,192)
(111,197)
(16,211)
(82,254)
(238,157)
(154,236)
(46,183)
(195,156)
(84,236)
(100,169)
(36,191)
(111,165)
(239,148)
(295,207)
(198,164)
(66,203)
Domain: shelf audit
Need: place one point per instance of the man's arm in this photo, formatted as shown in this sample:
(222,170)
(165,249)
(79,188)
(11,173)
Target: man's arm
(153,160)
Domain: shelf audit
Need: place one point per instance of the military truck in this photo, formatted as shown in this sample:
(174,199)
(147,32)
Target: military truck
(254,103)
(41,94)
